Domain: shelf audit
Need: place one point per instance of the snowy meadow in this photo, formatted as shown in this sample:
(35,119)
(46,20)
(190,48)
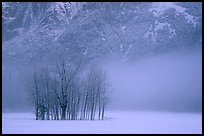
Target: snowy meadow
(115,122)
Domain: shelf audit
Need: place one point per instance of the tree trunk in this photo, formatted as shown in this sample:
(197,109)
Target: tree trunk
(63,113)
(103,110)
(36,114)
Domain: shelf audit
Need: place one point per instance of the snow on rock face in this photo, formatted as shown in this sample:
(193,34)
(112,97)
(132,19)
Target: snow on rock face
(79,25)
(151,33)
(191,19)
(159,8)
(161,26)
(65,10)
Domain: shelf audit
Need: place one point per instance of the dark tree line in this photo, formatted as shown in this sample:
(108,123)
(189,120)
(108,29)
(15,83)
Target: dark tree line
(63,93)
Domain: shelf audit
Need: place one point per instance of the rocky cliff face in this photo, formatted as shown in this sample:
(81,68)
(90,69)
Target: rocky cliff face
(96,30)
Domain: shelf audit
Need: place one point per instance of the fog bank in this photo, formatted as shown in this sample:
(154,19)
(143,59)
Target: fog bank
(168,82)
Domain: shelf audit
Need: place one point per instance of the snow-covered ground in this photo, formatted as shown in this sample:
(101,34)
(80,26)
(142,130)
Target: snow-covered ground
(119,122)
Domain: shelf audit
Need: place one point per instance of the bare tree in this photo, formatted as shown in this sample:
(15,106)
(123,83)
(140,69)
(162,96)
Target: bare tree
(64,90)
(62,93)
(35,95)
(94,95)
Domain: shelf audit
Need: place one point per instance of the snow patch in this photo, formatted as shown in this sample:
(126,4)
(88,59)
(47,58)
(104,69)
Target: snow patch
(127,51)
(191,19)
(123,28)
(9,19)
(151,33)
(85,52)
(159,8)
(161,26)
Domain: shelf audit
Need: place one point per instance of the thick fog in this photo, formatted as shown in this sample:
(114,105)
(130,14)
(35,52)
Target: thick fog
(167,82)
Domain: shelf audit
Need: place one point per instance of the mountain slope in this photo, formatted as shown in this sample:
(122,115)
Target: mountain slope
(120,30)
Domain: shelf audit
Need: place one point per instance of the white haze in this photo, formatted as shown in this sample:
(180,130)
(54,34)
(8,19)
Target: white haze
(169,82)
(166,82)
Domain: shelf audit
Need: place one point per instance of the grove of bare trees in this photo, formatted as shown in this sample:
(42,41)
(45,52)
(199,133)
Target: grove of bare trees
(63,93)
